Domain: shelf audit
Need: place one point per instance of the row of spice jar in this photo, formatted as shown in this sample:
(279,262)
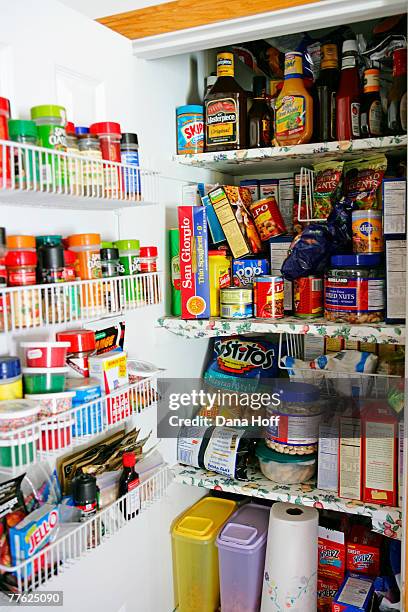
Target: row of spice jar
(49,128)
(27,260)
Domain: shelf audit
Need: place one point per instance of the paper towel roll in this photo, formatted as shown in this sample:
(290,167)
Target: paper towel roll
(290,576)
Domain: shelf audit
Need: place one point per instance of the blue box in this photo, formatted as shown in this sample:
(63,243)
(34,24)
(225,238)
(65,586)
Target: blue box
(355,594)
(245,270)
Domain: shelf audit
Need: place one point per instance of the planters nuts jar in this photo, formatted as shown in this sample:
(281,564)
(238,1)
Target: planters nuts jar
(190,129)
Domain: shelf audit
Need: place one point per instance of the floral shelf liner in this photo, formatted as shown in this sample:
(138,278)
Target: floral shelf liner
(385,520)
(379,333)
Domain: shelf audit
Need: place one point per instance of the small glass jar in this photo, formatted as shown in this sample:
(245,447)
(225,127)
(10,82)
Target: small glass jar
(110,262)
(148,259)
(21,243)
(26,162)
(109,135)
(21,268)
(50,120)
(51,263)
(74,168)
(92,169)
(21,272)
(129,152)
(354,289)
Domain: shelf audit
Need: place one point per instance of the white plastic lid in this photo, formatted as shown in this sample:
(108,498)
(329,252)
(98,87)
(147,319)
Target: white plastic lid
(18,409)
(47,396)
(44,344)
(29,371)
(349,45)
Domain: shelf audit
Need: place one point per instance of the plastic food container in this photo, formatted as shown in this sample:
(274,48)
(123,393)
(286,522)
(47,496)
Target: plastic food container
(284,468)
(195,555)
(21,268)
(148,259)
(300,412)
(45,354)
(87,248)
(55,436)
(15,414)
(20,242)
(190,129)
(44,380)
(81,347)
(241,549)
(15,453)
(88,416)
(11,382)
(354,289)
(53,403)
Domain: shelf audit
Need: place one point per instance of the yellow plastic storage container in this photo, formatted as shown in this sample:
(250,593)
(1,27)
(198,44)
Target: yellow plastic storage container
(195,555)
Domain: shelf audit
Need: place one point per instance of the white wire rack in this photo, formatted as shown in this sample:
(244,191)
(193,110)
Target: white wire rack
(23,308)
(77,540)
(29,174)
(305,201)
(54,435)
(332,383)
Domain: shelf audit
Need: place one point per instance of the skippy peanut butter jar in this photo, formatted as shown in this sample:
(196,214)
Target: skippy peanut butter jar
(194,274)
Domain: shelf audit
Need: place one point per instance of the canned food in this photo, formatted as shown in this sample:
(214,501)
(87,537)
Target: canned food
(236,295)
(268,219)
(269,297)
(308,297)
(367,231)
(236,311)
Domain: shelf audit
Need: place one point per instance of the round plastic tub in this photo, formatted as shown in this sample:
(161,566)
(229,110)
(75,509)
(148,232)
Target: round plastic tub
(14,453)
(53,403)
(55,436)
(44,380)
(11,383)
(45,354)
(17,413)
(284,468)
(88,413)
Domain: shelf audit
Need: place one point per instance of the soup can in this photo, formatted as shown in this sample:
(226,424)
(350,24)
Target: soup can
(268,219)
(308,297)
(269,297)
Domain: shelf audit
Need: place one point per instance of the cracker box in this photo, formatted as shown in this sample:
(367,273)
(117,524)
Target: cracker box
(380,453)
(396,272)
(400,462)
(350,457)
(245,270)
(33,533)
(332,553)
(363,551)
(355,594)
(111,371)
(394,200)
(328,456)
(194,275)
(231,205)
(253,186)
(326,592)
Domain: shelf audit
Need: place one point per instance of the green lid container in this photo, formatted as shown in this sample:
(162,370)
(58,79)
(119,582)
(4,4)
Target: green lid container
(106,245)
(53,239)
(19,128)
(49,110)
(268,454)
(127,245)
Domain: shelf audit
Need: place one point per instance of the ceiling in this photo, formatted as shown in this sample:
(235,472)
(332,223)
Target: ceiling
(102,8)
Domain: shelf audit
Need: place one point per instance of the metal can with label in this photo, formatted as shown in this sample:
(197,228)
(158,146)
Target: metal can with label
(268,219)
(269,297)
(308,297)
(236,303)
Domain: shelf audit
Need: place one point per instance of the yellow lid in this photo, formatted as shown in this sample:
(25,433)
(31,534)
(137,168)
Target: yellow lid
(225,64)
(203,521)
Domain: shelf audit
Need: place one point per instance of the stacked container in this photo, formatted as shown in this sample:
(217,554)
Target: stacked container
(195,555)
(241,549)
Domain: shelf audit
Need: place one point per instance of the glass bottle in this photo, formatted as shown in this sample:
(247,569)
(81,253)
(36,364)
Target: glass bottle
(129,486)
(371,115)
(327,85)
(348,95)
(397,95)
(260,118)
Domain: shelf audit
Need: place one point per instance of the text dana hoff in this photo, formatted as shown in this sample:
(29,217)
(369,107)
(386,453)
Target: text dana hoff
(222,421)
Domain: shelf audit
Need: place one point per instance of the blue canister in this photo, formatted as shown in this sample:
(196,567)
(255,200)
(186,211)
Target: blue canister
(129,155)
(88,416)
(190,129)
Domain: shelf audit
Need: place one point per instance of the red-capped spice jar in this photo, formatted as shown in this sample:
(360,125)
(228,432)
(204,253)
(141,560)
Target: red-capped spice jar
(148,259)
(308,297)
(69,265)
(21,268)
(268,219)
(109,134)
(81,346)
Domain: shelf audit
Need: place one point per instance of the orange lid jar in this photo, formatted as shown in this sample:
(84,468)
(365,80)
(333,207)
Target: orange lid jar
(20,243)
(87,248)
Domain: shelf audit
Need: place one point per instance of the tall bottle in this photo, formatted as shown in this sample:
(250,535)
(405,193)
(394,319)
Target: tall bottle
(371,114)
(294,106)
(397,95)
(327,85)
(260,118)
(225,109)
(348,95)
(128,485)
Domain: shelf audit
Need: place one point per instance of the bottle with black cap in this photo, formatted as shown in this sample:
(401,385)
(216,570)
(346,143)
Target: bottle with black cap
(85,495)
(260,120)
(129,155)
(110,262)
(51,263)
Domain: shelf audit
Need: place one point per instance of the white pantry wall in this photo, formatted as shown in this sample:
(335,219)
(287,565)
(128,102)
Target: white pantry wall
(50,53)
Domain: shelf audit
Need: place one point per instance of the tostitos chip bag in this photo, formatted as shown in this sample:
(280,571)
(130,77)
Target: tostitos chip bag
(362,178)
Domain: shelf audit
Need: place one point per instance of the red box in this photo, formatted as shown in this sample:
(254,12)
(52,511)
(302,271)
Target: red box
(379,426)
(326,591)
(332,554)
(364,551)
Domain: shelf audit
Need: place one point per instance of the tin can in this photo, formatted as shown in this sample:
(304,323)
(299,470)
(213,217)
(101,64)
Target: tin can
(308,297)
(190,129)
(367,231)
(268,219)
(269,297)
(236,303)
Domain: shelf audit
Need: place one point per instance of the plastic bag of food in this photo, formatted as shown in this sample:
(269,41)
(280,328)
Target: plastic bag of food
(12,511)
(340,227)
(309,253)
(327,183)
(362,178)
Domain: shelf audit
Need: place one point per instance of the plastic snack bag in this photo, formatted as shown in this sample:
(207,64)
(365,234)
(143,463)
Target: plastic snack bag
(309,253)
(327,183)
(362,178)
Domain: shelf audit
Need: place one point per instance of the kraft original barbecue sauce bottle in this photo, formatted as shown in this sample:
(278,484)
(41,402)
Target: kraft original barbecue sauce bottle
(225,109)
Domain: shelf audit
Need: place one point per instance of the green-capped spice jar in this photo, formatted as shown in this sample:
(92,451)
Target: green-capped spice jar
(26,162)
(51,120)
(129,251)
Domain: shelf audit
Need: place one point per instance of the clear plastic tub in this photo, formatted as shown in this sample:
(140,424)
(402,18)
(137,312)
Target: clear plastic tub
(285,468)
(241,549)
(195,555)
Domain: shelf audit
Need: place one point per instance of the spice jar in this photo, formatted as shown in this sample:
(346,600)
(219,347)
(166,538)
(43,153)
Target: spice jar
(92,169)
(129,153)
(109,135)
(354,289)
(74,168)
(50,120)
(21,268)
(3,251)
(26,161)
(21,243)
(24,305)
(11,380)
(87,248)
(148,259)
(51,263)
(129,251)
(4,135)
(110,262)
(81,346)
(69,276)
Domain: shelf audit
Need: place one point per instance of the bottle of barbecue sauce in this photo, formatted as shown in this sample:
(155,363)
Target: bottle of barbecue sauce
(225,109)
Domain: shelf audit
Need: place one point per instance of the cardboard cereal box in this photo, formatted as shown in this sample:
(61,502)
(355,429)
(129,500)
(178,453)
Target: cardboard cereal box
(326,592)
(194,275)
(363,551)
(354,595)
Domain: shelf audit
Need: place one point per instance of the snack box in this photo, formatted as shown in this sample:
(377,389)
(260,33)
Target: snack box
(245,270)
(396,272)
(231,205)
(380,453)
(350,456)
(253,186)
(33,533)
(269,188)
(326,592)
(400,462)
(332,553)
(109,336)
(363,551)
(394,204)
(354,595)
(194,273)
(110,369)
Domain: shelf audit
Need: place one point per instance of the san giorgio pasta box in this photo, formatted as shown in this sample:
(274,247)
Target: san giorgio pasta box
(194,273)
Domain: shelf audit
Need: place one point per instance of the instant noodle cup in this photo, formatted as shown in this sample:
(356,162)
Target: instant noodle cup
(44,380)
(45,354)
